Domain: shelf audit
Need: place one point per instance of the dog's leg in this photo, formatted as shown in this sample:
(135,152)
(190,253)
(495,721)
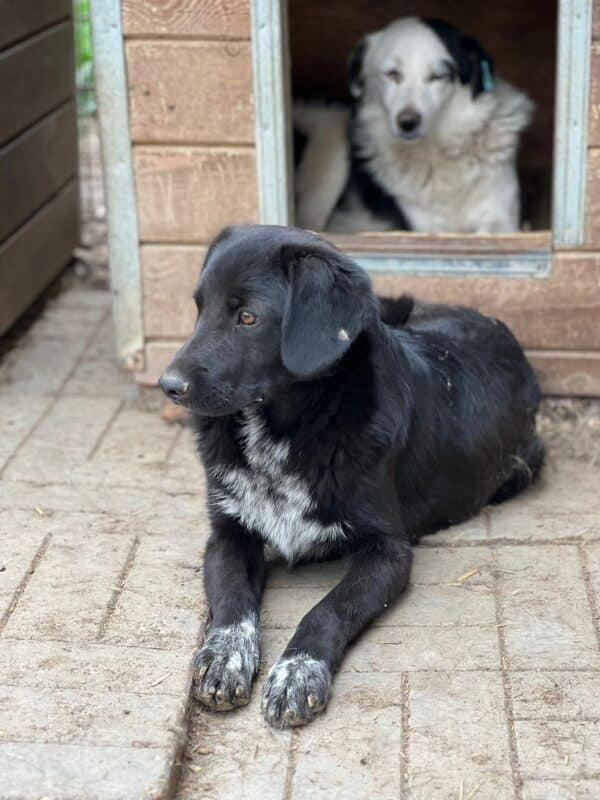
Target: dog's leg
(233,578)
(297,687)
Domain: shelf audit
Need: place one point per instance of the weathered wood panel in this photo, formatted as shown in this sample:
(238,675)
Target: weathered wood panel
(594,126)
(190,92)
(169,275)
(592,203)
(444,243)
(187,194)
(564,373)
(36,253)
(35,165)
(26,17)
(36,76)
(559,373)
(596,19)
(215,18)
(560,312)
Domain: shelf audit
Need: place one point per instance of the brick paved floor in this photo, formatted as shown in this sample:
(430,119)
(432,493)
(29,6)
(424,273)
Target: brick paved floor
(483,682)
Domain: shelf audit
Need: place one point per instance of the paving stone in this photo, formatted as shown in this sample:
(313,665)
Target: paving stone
(406,649)
(82,772)
(353,750)
(419,605)
(551,509)
(446,565)
(97,667)
(565,749)
(39,366)
(65,437)
(546,610)
(136,437)
(470,532)
(561,790)
(99,718)
(591,554)
(98,374)
(17,418)
(235,755)
(16,554)
(458,737)
(142,505)
(67,595)
(324,574)
(72,318)
(555,695)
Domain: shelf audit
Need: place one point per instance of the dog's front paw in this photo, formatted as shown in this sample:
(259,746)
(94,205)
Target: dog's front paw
(225,666)
(296,690)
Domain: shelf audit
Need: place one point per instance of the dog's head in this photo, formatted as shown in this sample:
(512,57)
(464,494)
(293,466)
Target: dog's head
(275,305)
(413,67)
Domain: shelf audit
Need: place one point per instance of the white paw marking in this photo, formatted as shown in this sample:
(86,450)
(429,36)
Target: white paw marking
(296,690)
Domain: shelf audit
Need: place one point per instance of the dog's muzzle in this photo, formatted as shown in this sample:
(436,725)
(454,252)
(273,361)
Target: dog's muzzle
(408,123)
(174,386)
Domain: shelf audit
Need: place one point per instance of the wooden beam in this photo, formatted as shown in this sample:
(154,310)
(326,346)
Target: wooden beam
(36,253)
(227,19)
(27,17)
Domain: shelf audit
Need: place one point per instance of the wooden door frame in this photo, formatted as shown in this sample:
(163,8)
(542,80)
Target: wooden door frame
(530,255)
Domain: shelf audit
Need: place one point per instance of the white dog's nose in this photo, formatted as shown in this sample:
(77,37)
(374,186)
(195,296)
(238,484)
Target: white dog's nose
(408,121)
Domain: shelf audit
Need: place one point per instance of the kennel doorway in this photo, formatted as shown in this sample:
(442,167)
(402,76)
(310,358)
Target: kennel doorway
(542,48)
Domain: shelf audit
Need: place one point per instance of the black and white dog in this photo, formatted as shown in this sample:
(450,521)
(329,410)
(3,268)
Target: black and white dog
(324,430)
(430,145)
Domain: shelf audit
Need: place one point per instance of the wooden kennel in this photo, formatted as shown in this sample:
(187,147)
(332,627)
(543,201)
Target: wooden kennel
(194,109)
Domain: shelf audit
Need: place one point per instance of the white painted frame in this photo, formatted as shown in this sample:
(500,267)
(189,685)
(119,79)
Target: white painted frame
(270,46)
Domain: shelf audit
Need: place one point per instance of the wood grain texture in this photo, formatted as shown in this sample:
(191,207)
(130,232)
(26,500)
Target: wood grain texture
(36,253)
(26,17)
(559,313)
(228,19)
(596,19)
(592,203)
(190,92)
(594,126)
(564,373)
(187,194)
(169,275)
(35,76)
(559,373)
(35,165)
(446,243)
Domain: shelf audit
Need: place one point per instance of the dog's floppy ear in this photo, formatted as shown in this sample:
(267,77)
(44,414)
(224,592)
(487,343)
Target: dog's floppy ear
(327,306)
(474,65)
(355,67)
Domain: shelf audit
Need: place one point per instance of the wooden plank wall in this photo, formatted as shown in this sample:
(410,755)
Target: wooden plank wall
(192,130)
(38,150)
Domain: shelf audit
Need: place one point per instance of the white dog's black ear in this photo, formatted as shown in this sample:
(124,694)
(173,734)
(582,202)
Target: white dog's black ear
(328,304)
(474,66)
(355,67)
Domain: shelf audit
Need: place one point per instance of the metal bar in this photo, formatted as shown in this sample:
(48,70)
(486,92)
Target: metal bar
(571,122)
(113,118)
(270,67)
(513,265)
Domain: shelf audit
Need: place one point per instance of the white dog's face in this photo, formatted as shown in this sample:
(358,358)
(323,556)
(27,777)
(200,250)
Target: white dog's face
(409,73)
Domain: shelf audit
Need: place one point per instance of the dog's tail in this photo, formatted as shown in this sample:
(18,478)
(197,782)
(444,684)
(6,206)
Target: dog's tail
(395,311)
(526,467)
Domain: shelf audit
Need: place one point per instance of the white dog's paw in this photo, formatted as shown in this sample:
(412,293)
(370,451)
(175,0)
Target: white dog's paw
(225,666)
(296,690)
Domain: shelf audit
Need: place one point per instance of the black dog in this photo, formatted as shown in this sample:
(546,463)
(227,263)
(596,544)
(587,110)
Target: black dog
(324,430)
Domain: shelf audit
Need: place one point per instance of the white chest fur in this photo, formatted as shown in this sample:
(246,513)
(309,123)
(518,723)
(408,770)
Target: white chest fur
(269,499)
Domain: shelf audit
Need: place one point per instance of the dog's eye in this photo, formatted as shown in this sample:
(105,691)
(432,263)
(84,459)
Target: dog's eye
(246,318)
(439,76)
(393,75)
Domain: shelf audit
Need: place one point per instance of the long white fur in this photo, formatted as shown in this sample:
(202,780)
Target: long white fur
(460,174)
(266,497)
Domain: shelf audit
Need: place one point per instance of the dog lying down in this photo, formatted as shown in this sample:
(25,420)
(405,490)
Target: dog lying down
(324,431)
(430,145)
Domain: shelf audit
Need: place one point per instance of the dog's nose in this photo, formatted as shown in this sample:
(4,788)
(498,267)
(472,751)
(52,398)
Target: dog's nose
(173,385)
(408,121)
